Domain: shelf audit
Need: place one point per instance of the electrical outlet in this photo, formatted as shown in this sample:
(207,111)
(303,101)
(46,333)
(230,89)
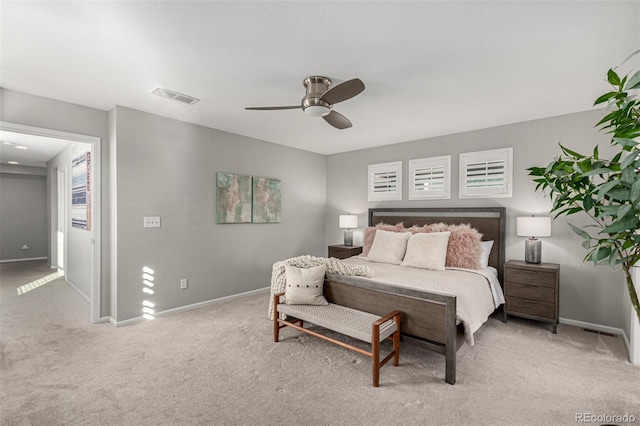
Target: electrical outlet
(183,284)
(152,222)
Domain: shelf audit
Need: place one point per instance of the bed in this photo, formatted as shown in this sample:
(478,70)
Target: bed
(429,319)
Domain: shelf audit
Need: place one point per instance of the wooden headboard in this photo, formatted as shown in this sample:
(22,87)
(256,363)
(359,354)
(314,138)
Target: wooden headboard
(490,221)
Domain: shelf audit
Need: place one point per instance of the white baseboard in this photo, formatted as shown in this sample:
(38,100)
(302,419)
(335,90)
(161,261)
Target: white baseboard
(602,328)
(73,286)
(190,307)
(591,326)
(627,345)
(26,259)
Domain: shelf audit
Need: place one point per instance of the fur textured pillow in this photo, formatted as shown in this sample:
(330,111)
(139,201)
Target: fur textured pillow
(434,227)
(464,249)
(370,234)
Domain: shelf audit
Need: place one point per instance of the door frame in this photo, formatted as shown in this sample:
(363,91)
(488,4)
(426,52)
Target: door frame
(61,196)
(96,209)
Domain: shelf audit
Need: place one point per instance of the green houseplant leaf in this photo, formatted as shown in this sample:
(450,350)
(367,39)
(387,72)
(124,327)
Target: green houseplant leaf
(633,82)
(606,191)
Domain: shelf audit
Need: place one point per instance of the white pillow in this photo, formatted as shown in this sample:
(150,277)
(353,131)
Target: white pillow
(304,285)
(427,250)
(388,247)
(486,252)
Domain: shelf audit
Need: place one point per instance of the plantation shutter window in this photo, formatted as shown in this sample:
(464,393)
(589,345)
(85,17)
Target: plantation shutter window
(486,174)
(430,178)
(385,181)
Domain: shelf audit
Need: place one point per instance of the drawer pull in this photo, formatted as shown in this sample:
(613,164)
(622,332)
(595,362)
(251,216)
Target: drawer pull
(529,272)
(533,302)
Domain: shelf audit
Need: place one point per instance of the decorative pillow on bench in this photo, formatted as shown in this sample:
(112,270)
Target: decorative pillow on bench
(304,285)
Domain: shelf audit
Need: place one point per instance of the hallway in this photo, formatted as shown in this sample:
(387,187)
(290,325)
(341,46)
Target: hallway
(53,301)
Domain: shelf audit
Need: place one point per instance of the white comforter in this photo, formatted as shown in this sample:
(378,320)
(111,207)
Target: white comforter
(478,291)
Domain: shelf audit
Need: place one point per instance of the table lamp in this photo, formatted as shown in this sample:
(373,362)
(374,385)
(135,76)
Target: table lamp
(530,226)
(348,222)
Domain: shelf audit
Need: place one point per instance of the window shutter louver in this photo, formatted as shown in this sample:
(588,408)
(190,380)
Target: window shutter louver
(385,181)
(430,178)
(486,174)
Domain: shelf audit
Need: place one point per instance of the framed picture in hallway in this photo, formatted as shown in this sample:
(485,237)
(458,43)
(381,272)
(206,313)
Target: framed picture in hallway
(81,191)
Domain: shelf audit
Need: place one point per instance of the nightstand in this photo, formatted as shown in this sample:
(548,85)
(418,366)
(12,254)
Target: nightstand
(531,291)
(342,252)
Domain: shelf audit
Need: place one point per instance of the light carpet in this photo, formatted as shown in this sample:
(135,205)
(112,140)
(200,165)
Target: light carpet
(218,365)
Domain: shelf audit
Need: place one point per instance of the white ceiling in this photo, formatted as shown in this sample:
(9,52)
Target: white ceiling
(39,149)
(430,68)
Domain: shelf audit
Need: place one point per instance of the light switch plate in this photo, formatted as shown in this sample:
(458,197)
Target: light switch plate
(152,222)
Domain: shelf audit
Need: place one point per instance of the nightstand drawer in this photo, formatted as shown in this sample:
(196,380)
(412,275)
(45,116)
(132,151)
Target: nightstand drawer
(527,276)
(533,292)
(343,252)
(530,307)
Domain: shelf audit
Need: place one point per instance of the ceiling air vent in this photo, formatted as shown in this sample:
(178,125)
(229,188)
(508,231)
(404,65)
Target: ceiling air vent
(170,94)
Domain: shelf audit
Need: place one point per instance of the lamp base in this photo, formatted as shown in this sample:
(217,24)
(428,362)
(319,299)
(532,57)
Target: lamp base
(533,250)
(348,237)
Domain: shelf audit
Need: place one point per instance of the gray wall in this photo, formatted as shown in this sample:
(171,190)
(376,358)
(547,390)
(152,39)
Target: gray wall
(168,168)
(587,293)
(78,267)
(153,166)
(23,212)
(36,111)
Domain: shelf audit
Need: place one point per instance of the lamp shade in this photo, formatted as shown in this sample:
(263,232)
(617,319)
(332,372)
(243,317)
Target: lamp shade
(530,226)
(348,221)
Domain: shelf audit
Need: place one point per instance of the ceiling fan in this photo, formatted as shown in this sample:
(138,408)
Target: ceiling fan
(320,98)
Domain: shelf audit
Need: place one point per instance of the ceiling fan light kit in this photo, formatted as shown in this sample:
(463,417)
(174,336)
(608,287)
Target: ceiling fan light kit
(320,97)
(317,110)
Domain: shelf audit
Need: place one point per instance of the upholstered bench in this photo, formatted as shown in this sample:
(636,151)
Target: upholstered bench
(360,325)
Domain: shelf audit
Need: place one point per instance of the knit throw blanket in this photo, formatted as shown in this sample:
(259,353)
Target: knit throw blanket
(333,266)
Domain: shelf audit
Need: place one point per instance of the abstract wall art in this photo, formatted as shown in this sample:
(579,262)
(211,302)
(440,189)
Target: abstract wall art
(233,198)
(266,200)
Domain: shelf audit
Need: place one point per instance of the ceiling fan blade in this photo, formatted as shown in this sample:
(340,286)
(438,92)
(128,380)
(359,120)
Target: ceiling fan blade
(274,108)
(343,91)
(337,120)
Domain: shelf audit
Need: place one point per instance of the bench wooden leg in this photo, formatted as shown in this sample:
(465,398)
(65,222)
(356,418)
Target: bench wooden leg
(276,328)
(375,345)
(276,315)
(396,342)
(375,356)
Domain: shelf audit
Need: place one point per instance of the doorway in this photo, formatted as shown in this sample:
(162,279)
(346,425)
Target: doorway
(59,210)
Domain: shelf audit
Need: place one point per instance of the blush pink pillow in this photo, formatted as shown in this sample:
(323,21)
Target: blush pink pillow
(434,227)
(464,249)
(370,233)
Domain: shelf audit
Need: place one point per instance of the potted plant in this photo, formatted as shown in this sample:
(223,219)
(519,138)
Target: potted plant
(607,191)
